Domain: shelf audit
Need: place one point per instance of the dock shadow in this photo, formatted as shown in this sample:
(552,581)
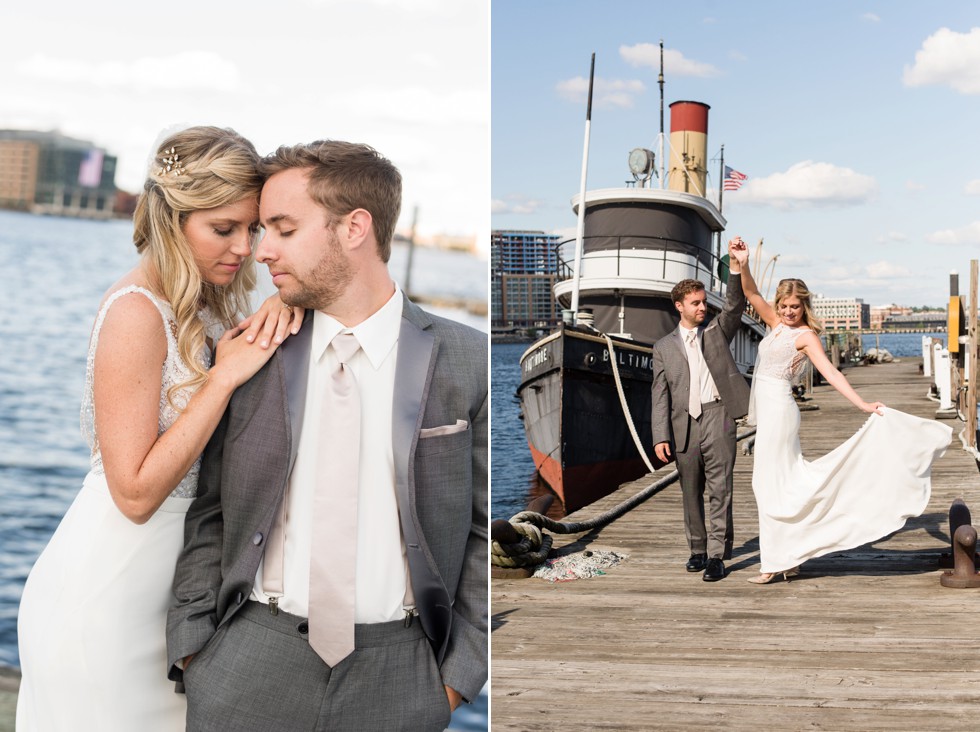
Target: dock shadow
(499,620)
(868,559)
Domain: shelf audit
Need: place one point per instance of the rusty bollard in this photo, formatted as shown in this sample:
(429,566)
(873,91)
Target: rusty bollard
(964,572)
(959,515)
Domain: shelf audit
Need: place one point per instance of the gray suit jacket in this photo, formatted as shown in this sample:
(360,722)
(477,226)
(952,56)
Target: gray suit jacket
(441,484)
(672,377)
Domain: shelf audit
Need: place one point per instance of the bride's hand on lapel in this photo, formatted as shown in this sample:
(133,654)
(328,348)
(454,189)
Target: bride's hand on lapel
(272,323)
(237,360)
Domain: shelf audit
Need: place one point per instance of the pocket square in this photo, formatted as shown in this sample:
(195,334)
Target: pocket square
(447,429)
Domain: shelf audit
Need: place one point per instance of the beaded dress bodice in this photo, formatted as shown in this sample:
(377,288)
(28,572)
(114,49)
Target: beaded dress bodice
(778,357)
(175,371)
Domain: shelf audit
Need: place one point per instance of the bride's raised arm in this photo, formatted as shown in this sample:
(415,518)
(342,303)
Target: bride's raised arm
(811,346)
(738,255)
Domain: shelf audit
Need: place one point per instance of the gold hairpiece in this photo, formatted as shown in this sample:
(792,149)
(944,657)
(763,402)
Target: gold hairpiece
(171,163)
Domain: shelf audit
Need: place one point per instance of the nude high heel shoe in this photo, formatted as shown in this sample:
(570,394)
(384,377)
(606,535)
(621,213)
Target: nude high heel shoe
(764,578)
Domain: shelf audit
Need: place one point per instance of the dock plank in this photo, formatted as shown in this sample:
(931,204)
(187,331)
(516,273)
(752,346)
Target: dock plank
(865,640)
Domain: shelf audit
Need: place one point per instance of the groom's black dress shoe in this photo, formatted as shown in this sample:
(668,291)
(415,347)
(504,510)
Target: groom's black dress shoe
(714,571)
(697,562)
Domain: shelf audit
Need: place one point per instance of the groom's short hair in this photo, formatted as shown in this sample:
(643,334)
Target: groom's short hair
(685,287)
(345,176)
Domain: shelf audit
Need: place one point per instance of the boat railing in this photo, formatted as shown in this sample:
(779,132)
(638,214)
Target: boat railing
(648,257)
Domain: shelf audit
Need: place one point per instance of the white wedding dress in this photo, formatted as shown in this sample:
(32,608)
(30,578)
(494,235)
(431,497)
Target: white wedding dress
(861,491)
(92,622)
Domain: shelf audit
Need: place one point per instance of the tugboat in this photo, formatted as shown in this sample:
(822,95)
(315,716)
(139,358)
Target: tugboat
(635,244)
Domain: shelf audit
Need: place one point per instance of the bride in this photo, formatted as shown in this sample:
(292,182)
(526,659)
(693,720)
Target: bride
(859,492)
(92,620)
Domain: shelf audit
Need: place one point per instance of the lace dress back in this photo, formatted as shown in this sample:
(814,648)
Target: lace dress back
(175,371)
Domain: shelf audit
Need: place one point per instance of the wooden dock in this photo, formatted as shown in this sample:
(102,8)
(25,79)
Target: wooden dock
(863,640)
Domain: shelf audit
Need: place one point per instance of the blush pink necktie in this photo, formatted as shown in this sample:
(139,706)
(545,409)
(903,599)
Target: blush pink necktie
(333,553)
(694,362)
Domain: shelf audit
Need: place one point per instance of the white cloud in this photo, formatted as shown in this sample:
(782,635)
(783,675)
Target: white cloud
(965,235)
(605,93)
(675,64)
(795,260)
(840,273)
(914,186)
(972,188)
(883,270)
(514,204)
(189,70)
(871,18)
(893,237)
(947,58)
(808,184)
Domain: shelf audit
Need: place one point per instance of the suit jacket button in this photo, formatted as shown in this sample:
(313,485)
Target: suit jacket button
(257,539)
(303,627)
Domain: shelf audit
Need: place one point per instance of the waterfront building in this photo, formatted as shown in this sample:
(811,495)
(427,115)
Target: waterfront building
(50,173)
(882,313)
(934,320)
(842,313)
(522,274)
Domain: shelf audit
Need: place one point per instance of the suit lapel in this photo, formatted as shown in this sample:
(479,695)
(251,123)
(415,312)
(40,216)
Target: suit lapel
(417,348)
(295,362)
(681,350)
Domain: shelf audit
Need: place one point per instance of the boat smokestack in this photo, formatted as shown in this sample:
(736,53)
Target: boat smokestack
(688,147)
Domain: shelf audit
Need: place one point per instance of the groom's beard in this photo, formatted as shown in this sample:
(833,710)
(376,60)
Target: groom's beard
(327,280)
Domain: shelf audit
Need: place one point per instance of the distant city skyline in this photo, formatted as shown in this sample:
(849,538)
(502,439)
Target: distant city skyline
(853,124)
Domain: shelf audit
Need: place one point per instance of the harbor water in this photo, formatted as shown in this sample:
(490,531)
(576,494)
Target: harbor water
(513,476)
(57,272)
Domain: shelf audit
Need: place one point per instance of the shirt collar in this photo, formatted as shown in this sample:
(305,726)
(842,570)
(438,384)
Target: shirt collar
(377,335)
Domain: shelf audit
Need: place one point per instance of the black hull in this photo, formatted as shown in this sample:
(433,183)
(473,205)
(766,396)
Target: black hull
(574,419)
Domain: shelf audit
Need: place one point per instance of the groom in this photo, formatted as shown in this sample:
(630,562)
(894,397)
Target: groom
(698,393)
(334,574)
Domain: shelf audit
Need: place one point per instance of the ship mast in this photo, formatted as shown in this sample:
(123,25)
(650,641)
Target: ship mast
(660,138)
(580,232)
(721,194)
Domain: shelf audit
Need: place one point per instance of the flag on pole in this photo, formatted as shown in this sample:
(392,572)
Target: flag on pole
(733,179)
(90,170)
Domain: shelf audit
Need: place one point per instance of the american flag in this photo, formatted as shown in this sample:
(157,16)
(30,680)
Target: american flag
(90,170)
(733,179)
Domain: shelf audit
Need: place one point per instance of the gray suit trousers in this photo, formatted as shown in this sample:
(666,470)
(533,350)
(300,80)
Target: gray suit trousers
(258,673)
(706,467)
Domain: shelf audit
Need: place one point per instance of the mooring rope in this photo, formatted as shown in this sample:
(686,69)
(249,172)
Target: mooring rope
(534,545)
(625,405)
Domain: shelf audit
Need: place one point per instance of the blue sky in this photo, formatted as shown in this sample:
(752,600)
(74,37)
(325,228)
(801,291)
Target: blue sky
(857,123)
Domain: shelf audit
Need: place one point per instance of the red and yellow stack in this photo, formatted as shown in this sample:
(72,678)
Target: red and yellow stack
(688,147)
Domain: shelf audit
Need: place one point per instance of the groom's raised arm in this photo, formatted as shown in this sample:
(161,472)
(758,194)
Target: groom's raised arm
(730,318)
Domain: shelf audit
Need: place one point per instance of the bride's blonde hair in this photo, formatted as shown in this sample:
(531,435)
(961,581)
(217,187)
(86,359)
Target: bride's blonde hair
(194,169)
(798,288)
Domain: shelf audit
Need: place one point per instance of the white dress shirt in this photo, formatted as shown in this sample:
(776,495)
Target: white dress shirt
(382,567)
(707,387)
